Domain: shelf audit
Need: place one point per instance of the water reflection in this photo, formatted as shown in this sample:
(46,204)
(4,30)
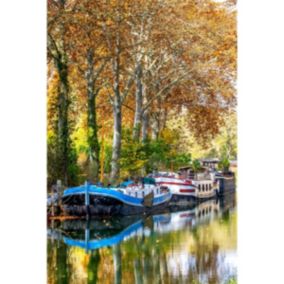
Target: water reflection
(196,245)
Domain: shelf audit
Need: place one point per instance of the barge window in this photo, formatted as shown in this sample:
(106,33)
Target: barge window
(199,187)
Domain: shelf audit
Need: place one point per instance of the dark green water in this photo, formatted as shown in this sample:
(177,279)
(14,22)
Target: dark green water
(195,245)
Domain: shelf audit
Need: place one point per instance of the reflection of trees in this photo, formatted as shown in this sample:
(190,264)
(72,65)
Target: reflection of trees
(62,256)
(93,267)
(137,272)
(57,263)
(145,258)
(209,243)
(206,262)
(150,258)
(117,264)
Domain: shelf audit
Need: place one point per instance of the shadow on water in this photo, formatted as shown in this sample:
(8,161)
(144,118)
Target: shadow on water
(194,245)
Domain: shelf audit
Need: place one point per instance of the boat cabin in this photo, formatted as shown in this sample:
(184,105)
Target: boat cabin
(210,163)
(203,180)
(140,189)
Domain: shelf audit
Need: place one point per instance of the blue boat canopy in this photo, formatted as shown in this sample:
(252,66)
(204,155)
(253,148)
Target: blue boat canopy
(126,183)
(148,180)
(144,180)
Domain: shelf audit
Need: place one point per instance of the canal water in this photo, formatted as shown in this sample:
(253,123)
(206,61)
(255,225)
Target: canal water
(188,245)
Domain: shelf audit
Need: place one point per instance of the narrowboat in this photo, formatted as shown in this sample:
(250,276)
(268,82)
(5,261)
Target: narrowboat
(126,199)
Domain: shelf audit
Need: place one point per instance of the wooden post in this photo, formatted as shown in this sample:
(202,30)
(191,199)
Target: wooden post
(59,190)
(52,200)
(52,227)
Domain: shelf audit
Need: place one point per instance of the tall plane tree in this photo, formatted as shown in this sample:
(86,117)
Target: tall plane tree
(90,58)
(58,22)
(115,29)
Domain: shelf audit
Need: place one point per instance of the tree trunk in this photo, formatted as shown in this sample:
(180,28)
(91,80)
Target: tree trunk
(138,103)
(155,127)
(116,146)
(145,126)
(163,119)
(94,148)
(63,143)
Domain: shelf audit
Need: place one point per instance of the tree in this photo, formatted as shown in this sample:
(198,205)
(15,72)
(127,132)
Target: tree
(141,65)
(115,29)
(88,52)
(56,45)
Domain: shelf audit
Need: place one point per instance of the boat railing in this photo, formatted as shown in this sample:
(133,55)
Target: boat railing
(141,192)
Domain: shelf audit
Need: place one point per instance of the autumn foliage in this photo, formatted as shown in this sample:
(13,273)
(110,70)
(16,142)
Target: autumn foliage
(119,74)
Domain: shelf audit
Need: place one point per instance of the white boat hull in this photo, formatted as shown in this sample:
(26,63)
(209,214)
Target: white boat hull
(178,187)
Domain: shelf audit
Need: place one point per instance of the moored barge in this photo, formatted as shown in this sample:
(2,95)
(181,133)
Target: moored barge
(124,200)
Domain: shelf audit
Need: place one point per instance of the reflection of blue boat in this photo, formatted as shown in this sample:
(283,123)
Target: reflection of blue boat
(96,234)
(124,200)
(96,244)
